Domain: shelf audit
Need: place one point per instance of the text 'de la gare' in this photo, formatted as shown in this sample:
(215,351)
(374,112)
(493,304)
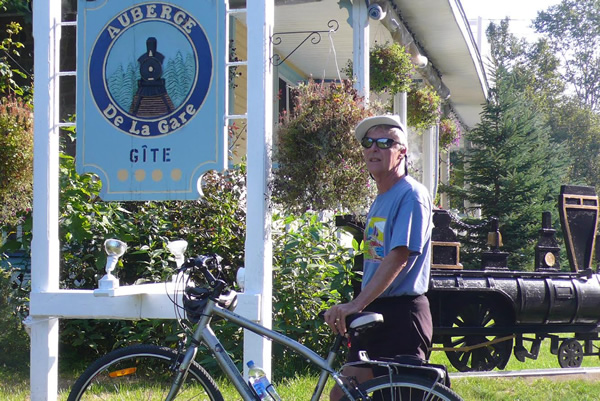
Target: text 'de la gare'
(143,128)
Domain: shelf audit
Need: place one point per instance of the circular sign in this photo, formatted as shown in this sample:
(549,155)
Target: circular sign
(150,69)
(550,259)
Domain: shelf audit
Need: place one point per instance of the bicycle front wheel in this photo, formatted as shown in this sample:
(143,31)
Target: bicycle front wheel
(141,372)
(404,388)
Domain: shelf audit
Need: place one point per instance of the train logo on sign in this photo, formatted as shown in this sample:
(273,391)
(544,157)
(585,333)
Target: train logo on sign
(145,85)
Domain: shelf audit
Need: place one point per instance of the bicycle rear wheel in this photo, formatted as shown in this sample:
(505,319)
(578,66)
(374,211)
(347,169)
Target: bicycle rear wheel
(404,388)
(141,372)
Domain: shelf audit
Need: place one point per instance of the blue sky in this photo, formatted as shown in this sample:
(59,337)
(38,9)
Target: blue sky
(521,12)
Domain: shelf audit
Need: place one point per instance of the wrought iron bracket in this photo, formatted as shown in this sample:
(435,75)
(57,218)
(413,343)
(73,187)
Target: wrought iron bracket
(314,36)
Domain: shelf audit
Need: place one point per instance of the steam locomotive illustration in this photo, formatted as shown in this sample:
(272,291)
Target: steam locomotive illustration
(483,316)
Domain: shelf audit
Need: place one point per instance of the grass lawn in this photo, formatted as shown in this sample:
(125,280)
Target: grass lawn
(559,388)
(15,386)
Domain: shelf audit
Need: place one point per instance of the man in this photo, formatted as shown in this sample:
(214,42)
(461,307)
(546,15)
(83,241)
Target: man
(397,254)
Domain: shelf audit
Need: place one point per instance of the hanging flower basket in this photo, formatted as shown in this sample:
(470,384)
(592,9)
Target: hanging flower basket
(390,69)
(450,131)
(423,106)
(320,163)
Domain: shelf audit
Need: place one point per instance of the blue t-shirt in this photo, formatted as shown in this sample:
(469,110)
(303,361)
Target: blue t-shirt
(401,216)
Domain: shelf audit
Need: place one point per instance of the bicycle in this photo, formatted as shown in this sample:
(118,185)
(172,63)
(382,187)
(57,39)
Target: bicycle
(148,372)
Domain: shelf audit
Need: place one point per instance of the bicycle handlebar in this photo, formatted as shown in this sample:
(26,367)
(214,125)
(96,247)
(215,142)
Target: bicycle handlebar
(195,297)
(204,263)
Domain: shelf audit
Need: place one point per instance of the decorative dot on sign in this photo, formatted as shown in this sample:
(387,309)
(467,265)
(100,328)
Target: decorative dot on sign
(176,174)
(140,175)
(122,175)
(157,175)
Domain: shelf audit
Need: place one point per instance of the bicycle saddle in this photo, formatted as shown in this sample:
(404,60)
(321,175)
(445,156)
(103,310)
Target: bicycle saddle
(363,320)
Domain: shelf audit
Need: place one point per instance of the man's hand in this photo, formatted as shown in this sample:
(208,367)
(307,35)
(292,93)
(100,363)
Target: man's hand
(387,271)
(335,317)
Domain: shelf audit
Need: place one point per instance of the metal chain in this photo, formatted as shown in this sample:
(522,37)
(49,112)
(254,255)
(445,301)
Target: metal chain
(456,219)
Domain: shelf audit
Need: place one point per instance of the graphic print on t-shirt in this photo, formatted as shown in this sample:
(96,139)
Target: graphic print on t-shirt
(374,238)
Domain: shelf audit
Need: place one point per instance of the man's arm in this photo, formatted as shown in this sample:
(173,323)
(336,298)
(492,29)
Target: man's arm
(387,271)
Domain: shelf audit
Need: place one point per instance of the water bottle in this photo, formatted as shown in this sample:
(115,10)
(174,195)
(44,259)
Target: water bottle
(259,382)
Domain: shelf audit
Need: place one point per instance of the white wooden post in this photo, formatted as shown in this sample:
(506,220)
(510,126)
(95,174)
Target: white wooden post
(430,140)
(360,62)
(45,246)
(400,104)
(259,247)
(430,160)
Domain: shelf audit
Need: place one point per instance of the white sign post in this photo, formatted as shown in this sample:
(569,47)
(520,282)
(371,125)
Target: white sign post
(258,249)
(45,246)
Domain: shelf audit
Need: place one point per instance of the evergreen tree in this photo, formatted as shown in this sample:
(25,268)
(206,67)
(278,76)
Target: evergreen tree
(172,82)
(563,57)
(513,169)
(116,83)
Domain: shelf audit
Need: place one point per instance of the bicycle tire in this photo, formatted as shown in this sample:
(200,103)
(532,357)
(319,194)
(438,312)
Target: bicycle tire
(404,388)
(141,372)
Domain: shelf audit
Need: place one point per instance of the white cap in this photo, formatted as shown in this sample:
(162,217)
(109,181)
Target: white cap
(370,122)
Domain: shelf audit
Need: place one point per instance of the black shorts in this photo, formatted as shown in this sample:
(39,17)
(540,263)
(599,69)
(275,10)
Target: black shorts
(406,329)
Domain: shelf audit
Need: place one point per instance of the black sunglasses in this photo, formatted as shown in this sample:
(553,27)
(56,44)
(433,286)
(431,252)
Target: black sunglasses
(382,143)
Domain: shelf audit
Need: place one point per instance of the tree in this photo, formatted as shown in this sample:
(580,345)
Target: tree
(537,75)
(534,66)
(513,169)
(573,31)
(579,126)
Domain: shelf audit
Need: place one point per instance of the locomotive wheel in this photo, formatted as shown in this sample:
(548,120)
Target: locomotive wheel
(478,314)
(570,354)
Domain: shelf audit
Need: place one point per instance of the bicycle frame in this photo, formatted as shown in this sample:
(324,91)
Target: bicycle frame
(203,333)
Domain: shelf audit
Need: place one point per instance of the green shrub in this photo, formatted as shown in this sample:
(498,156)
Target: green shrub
(13,309)
(311,268)
(13,79)
(16,160)
(214,224)
(312,271)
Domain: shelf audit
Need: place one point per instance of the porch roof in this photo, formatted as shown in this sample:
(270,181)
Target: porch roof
(439,28)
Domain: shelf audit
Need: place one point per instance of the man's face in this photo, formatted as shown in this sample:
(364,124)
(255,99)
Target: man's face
(381,161)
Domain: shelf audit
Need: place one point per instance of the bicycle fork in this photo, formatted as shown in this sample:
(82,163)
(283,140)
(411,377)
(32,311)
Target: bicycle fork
(181,369)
